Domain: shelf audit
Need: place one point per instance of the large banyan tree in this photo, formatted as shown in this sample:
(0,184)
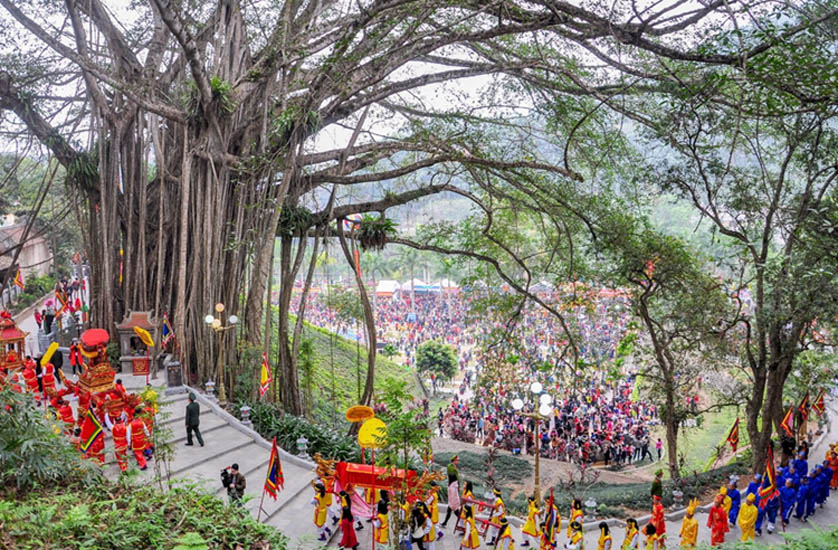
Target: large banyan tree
(190,127)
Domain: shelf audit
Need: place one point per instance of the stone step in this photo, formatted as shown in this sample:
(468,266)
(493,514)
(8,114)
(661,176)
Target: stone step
(297,481)
(218,448)
(180,417)
(295,519)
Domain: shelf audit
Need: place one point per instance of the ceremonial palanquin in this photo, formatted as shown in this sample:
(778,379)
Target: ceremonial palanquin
(12,340)
(97,375)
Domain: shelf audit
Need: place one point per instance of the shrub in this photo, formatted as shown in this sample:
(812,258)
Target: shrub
(270,422)
(128,517)
(33,452)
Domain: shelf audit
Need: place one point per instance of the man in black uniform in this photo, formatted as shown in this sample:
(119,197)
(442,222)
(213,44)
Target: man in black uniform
(193,419)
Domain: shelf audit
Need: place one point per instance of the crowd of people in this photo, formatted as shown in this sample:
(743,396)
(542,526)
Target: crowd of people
(129,417)
(595,418)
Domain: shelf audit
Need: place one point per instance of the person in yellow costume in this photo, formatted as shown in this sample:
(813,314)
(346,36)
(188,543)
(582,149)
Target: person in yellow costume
(632,540)
(149,397)
(689,527)
(530,530)
(381,525)
(748,518)
(498,514)
(652,540)
(433,506)
(430,536)
(576,514)
(726,500)
(320,511)
(471,538)
(505,540)
(576,541)
(605,541)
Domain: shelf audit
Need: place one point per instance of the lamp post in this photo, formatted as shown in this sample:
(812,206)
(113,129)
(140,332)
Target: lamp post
(543,413)
(216,324)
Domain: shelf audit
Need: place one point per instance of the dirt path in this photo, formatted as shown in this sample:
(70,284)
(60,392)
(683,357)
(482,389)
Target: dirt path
(552,471)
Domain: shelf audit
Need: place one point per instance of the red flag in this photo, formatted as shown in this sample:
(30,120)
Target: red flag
(274,481)
(769,489)
(733,436)
(787,423)
(91,430)
(819,405)
(265,377)
(804,407)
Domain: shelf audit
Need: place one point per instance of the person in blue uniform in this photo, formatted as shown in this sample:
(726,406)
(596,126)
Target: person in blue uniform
(801,466)
(788,495)
(802,494)
(753,488)
(812,495)
(735,500)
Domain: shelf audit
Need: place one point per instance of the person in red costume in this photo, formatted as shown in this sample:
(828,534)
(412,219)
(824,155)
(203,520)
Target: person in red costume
(76,358)
(659,521)
(84,404)
(120,443)
(717,522)
(139,442)
(349,540)
(65,411)
(31,379)
(48,380)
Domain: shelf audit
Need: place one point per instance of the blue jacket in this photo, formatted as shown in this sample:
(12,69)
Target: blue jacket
(787,495)
(801,467)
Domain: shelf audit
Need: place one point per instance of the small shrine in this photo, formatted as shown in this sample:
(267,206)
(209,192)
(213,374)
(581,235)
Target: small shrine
(135,357)
(97,375)
(12,339)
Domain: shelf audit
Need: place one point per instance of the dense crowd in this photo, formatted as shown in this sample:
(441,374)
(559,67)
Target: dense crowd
(595,417)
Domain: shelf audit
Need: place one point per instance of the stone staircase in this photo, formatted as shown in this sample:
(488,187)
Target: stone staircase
(227,441)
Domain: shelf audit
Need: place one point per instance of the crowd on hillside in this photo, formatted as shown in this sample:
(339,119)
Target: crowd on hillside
(594,417)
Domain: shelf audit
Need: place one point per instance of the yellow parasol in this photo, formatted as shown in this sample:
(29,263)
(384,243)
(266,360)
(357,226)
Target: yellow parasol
(373,434)
(359,413)
(144,336)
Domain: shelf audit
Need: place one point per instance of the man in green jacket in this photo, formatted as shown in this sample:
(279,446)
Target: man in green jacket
(193,418)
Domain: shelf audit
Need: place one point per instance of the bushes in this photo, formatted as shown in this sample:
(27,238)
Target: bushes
(270,423)
(33,452)
(128,517)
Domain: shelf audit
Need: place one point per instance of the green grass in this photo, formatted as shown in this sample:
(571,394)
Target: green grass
(335,375)
(699,444)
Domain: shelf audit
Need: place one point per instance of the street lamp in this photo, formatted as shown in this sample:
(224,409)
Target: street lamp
(216,324)
(544,410)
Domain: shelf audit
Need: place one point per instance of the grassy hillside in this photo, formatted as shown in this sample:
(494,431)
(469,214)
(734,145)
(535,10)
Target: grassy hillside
(334,377)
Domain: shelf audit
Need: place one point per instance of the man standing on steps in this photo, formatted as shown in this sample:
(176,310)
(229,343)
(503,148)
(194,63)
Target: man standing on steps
(193,418)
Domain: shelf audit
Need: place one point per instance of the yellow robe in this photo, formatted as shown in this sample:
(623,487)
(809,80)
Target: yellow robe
(602,540)
(652,542)
(726,504)
(471,539)
(631,538)
(531,527)
(320,508)
(689,532)
(747,520)
(577,541)
(499,512)
(382,529)
(433,505)
(505,540)
(575,515)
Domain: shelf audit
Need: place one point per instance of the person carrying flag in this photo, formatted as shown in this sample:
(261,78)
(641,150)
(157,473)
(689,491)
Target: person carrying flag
(92,438)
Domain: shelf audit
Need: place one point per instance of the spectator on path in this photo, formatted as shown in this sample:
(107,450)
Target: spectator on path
(234,482)
(193,419)
(453,490)
(75,357)
(657,485)
(659,448)
(38,319)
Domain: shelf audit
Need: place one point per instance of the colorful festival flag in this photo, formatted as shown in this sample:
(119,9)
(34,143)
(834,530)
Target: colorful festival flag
(91,430)
(265,377)
(19,280)
(166,332)
(787,423)
(275,481)
(769,489)
(733,436)
(804,407)
(820,404)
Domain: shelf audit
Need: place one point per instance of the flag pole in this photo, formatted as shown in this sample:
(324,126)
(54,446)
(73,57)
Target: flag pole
(261,501)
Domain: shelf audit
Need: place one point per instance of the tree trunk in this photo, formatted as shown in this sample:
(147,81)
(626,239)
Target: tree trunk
(671,422)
